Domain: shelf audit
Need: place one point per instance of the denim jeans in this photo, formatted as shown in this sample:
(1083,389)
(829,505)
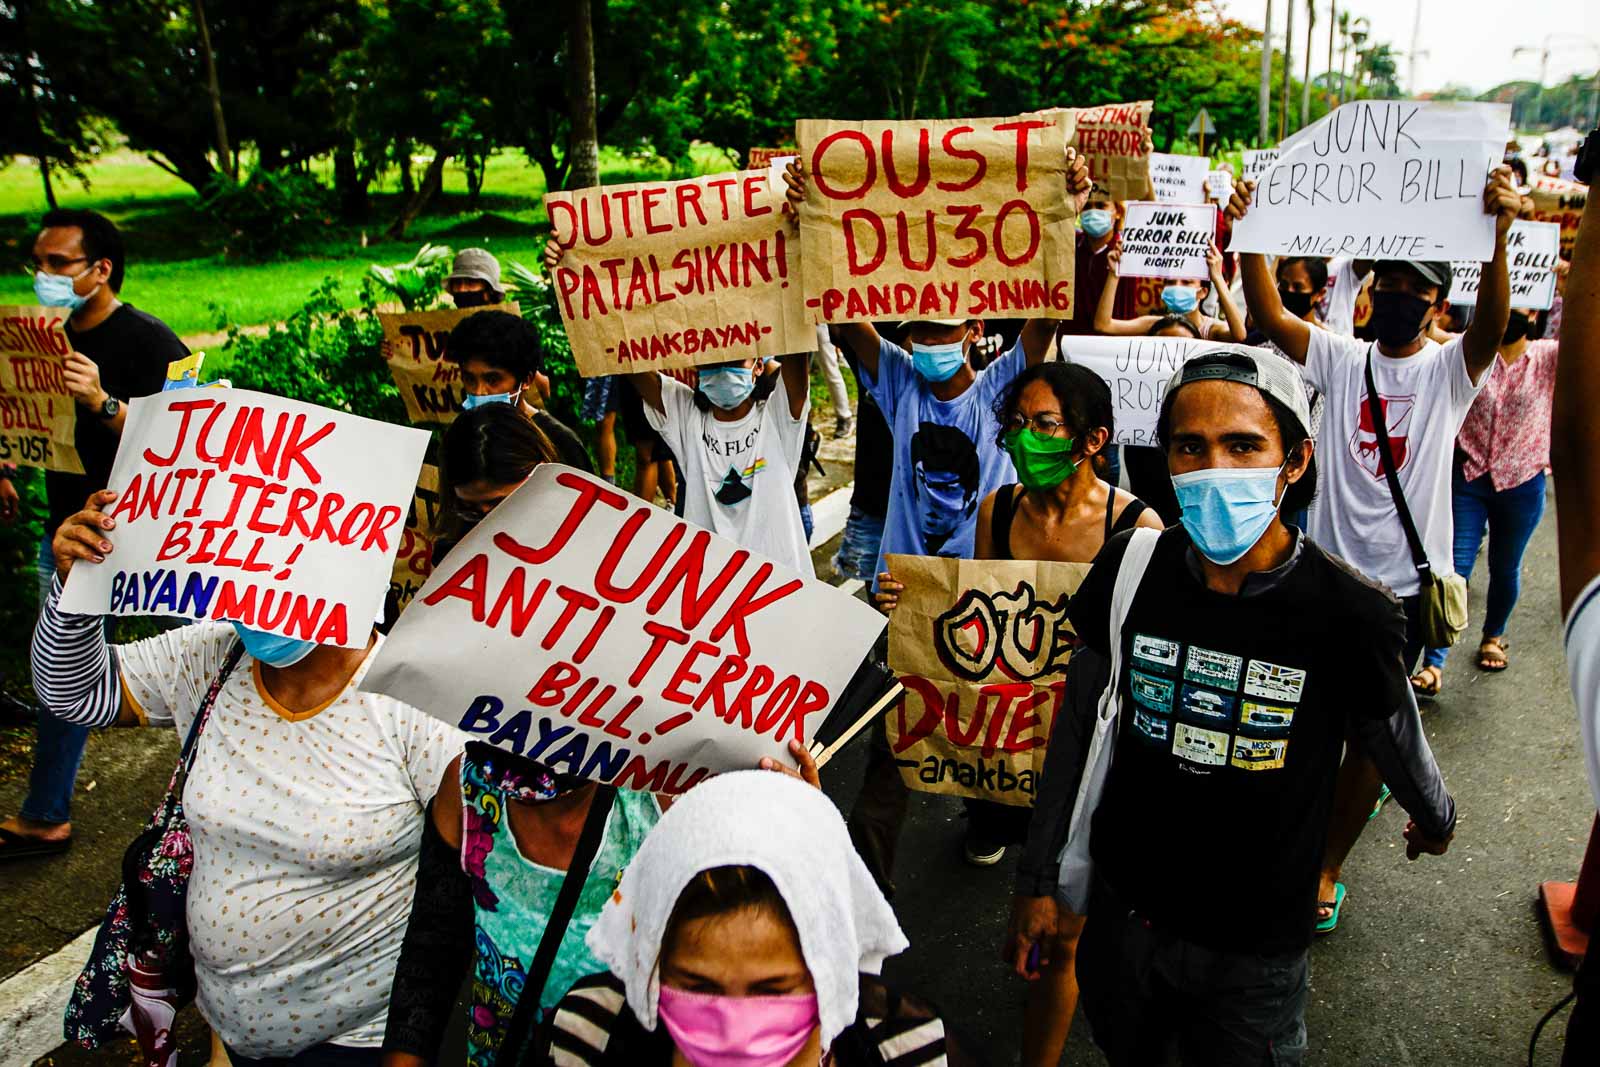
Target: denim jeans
(858,549)
(806,521)
(59,748)
(1509,516)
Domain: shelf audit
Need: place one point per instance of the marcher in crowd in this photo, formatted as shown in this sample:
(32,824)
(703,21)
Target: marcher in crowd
(828,358)
(1424,390)
(1182,297)
(118,353)
(501,361)
(474,279)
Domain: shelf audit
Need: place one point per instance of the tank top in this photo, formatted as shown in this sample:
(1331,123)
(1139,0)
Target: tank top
(1005,511)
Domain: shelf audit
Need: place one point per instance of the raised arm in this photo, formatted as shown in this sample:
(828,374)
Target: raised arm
(649,385)
(862,337)
(1575,432)
(796,371)
(1482,339)
(1234,330)
(1287,331)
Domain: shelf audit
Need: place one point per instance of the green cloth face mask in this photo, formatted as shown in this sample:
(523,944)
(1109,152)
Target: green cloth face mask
(1042,461)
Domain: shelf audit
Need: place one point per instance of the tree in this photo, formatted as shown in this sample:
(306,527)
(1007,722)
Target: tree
(40,117)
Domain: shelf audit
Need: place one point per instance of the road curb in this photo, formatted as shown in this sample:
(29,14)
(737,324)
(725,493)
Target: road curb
(33,1000)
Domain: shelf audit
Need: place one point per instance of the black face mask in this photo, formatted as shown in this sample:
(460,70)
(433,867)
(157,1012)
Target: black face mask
(1517,327)
(1397,317)
(475,298)
(1296,304)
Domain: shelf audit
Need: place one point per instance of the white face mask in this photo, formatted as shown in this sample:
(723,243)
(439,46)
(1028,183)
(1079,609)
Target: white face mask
(57,290)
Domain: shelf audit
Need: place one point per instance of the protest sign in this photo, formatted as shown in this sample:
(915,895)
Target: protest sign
(981,647)
(1531,252)
(414,562)
(237,506)
(1179,179)
(38,417)
(1219,185)
(1167,240)
(761,158)
(674,274)
(1114,141)
(943,219)
(1561,202)
(605,637)
(1396,179)
(416,347)
(1257,161)
(1137,369)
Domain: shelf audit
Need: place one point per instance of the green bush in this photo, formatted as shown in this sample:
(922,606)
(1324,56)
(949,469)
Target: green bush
(19,554)
(270,213)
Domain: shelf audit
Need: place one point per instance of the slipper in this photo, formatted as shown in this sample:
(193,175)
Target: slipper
(1492,655)
(1383,798)
(1331,923)
(15,846)
(1433,685)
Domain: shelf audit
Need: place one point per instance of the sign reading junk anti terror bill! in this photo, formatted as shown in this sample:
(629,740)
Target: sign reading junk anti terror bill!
(982,649)
(416,346)
(660,275)
(243,507)
(584,628)
(1532,249)
(38,417)
(947,218)
(1381,180)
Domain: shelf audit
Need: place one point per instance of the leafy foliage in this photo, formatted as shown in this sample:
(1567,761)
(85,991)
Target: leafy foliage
(267,213)
(417,282)
(537,299)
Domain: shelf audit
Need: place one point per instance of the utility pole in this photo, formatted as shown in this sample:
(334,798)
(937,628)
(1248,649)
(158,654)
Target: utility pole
(1416,42)
(1288,71)
(1265,101)
(1333,25)
(1305,84)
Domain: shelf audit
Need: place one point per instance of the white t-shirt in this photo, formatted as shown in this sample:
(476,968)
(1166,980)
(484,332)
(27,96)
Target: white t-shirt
(1425,398)
(1583,663)
(738,477)
(1340,301)
(305,843)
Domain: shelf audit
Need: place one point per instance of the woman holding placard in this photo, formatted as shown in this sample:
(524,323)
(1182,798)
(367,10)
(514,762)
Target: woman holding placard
(1182,297)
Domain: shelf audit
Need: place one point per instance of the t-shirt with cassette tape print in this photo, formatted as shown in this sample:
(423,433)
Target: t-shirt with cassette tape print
(1234,714)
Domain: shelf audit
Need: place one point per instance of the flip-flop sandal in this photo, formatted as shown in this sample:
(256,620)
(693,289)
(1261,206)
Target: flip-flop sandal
(1498,647)
(1331,923)
(15,846)
(1383,798)
(1430,688)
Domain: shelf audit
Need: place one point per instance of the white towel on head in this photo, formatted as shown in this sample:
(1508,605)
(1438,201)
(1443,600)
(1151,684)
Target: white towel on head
(793,834)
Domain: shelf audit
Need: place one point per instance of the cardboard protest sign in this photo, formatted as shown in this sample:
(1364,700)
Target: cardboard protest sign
(1219,185)
(1113,140)
(242,507)
(1179,179)
(1137,369)
(416,347)
(1381,179)
(1561,202)
(674,274)
(1531,253)
(1257,161)
(944,218)
(981,647)
(38,417)
(414,561)
(761,158)
(602,636)
(1167,240)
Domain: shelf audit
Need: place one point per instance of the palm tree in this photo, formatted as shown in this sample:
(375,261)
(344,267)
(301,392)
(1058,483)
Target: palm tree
(1379,71)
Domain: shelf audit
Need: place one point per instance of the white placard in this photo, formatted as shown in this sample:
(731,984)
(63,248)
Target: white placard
(1257,161)
(1219,185)
(1167,240)
(1532,249)
(605,637)
(243,507)
(1138,370)
(1179,179)
(1381,179)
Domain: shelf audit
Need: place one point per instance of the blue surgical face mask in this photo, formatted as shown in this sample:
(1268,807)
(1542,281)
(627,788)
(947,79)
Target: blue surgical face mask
(469,401)
(938,363)
(1227,509)
(1179,299)
(727,387)
(56,291)
(1097,221)
(273,649)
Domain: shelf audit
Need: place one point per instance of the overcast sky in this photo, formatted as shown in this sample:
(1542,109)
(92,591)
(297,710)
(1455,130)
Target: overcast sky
(1465,42)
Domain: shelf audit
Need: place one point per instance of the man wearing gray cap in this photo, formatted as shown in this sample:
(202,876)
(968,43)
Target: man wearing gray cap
(1424,391)
(1207,837)
(474,279)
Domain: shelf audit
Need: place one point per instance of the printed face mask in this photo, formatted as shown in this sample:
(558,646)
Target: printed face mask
(469,401)
(1227,509)
(1097,221)
(1042,461)
(56,291)
(1179,299)
(722,1031)
(1296,304)
(1397,317)
(272,649)
(727,387)
(938,363)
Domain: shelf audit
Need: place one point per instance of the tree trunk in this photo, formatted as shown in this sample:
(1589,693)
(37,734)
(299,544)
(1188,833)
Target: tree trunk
(349,184)
(432,180)
(226,160)
(408,185)
(544,155)
(49,187)
(583,153)
(475,167)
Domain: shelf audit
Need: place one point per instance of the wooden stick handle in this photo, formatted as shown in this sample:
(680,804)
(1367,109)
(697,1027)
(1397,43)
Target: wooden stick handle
(860,724)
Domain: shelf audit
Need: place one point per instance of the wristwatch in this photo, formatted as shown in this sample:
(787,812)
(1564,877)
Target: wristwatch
(109,407)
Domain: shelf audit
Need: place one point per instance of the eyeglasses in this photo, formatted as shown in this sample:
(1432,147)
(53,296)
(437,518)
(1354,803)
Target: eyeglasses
(1046,425)
(52,264)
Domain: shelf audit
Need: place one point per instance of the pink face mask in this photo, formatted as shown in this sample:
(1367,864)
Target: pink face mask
(719,1031)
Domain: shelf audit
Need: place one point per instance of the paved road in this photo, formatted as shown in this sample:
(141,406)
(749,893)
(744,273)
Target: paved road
(1439,962)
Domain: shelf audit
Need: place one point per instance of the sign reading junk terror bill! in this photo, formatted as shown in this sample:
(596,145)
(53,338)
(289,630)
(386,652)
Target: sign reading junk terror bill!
(660,275)
(604,637)
(38,417)
(948,218)
(981,647)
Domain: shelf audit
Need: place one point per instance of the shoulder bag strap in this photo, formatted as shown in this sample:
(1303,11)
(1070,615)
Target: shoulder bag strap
(190,742)
(1419,555)
(521,1028)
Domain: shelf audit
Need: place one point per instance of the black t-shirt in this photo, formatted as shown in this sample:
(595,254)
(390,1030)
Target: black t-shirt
(132,349)
(568,444)
(1234,714)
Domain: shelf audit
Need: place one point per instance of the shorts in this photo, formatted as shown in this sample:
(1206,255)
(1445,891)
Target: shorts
(600,397)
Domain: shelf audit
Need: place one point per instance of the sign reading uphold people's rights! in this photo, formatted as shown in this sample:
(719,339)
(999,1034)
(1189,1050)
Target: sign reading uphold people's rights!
(1531,254)
(660,275)
(981,647)
(416,347)
(602,636)
(242,507)
(1396,179)
(941,219)
(1167,240)
(38,417)
(1138,370)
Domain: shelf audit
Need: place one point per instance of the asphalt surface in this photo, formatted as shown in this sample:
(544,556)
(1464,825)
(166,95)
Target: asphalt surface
(1438,962)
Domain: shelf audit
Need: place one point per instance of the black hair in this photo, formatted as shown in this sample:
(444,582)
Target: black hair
(499,339)
(1316,269)
(724,891)
(101,239)
(1084,396)
(765,384)
(948,450)
(1169,321)
(495,443)
(1519,167)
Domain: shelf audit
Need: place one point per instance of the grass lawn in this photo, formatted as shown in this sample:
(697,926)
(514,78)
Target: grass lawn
(177,269)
